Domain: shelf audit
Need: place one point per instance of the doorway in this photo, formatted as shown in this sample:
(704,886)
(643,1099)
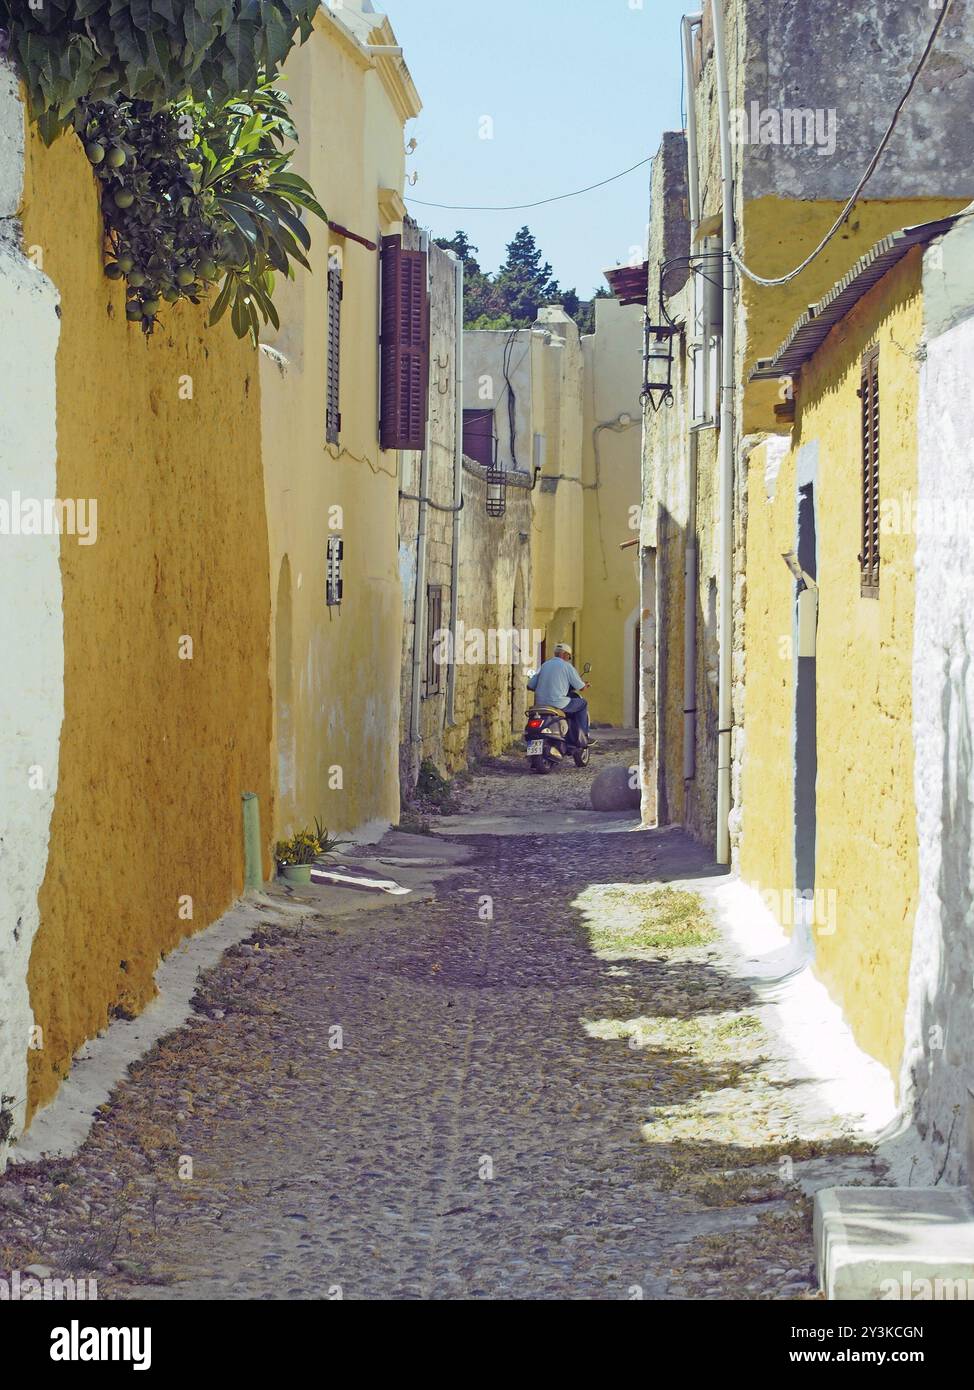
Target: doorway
(284,695)
(806,733)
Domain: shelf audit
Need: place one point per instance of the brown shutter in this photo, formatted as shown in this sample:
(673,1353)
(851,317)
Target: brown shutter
(405,347)
(869,555)
(333,416)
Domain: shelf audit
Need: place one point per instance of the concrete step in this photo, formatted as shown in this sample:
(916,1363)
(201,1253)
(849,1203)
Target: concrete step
(895,1243)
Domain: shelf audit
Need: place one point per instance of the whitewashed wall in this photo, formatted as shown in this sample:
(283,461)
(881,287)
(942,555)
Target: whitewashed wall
(939,1059)
(31,645)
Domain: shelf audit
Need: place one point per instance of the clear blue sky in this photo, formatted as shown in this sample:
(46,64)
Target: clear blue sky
(577,90)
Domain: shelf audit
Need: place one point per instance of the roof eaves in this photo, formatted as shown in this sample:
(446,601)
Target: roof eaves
(810,331)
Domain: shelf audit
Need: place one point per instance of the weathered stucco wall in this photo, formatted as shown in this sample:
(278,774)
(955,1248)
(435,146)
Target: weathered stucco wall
(495,592)
(938,1062)
(32,674)
(336,668)
(852,63)
(865,841)
(674,514)
(767,855)
(155,750)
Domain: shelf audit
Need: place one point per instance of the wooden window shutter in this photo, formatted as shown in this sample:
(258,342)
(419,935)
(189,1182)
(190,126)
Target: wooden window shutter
(333,415)
(869,396)
(405,347)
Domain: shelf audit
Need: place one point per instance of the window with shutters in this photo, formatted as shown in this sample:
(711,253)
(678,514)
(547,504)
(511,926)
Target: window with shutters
(869,397)
(333,415)
(434,623)
(405,346)
(334,583)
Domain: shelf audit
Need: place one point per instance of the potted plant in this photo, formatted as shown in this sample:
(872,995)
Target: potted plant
(296,856)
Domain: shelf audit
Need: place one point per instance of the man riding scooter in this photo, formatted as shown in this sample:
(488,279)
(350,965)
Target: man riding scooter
(558,684)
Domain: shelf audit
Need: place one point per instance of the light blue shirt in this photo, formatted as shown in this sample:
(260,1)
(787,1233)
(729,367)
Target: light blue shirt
(555,683)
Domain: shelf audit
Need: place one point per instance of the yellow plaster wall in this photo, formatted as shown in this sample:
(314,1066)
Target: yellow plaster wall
(767,785)
(557,533)
(608,625)
(344,662)
(155,751)
(866,832)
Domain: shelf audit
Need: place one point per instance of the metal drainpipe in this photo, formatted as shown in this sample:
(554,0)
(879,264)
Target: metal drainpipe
(690,620)
(725,578)
(451,675)
(419,606)
(687,24)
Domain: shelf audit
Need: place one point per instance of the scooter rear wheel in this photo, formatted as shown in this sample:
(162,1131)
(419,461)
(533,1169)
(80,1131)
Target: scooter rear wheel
(539,764)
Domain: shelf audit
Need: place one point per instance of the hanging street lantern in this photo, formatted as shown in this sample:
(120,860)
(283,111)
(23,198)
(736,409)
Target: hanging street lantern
(496,480)
(658,362)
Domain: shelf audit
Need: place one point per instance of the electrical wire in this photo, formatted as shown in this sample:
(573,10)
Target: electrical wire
(520,207)
(511,401)
(871,169)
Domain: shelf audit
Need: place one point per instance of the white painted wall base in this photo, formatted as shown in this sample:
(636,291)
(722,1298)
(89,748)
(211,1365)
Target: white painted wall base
(31,639)
(938,1064)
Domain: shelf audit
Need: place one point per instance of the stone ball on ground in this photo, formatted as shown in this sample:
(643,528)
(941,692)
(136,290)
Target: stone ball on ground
(616,789)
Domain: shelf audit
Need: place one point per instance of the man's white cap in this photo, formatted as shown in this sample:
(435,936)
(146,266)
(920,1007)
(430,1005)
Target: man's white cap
(562,647)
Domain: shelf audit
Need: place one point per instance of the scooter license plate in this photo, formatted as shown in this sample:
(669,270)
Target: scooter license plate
(536,748)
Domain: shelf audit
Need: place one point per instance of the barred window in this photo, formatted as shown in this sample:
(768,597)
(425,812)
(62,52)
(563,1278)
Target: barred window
(434,624)
(334,579)
(869,396)
(336,290)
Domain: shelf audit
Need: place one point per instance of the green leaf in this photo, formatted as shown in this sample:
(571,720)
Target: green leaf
(222,300)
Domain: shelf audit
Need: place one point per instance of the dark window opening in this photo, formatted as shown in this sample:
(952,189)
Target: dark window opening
(479,443)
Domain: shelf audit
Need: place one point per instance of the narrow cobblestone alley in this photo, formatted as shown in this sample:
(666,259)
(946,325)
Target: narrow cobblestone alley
(510,1114)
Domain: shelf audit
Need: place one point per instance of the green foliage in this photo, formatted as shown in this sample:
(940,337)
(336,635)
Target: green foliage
(524,282)
(326,841)
(197,193)
(302,848)
(522,285)
(156,51)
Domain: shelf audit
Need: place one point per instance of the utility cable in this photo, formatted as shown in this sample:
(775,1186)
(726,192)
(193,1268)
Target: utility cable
(520,207)
(871,169)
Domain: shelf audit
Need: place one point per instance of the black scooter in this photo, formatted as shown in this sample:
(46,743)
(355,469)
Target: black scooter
(550,735)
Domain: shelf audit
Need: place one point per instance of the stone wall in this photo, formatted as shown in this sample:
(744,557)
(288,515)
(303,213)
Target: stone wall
(494,588)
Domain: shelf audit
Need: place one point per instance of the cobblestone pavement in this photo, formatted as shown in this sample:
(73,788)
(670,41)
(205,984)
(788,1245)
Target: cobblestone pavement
(508,1115)
(504,787)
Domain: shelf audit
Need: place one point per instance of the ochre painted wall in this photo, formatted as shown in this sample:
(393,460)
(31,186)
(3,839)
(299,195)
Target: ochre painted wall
(866,846)
(608,626)
(155,751)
